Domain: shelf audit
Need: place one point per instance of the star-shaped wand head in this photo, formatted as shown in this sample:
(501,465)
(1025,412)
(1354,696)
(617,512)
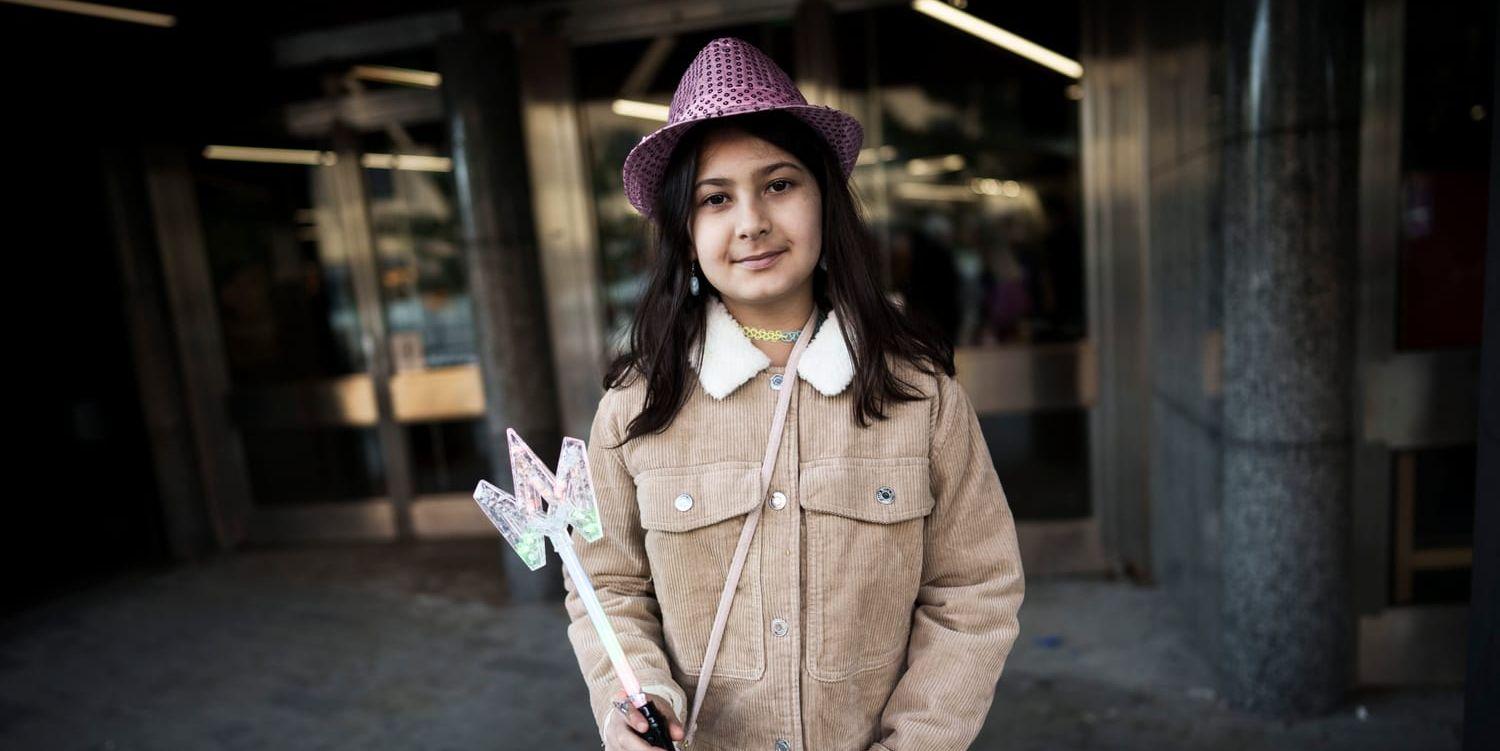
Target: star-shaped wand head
(544,503)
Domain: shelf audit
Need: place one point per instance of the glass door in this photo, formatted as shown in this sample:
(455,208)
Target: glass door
(343,309)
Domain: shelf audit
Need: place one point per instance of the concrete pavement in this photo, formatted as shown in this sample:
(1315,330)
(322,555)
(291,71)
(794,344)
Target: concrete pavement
(415,647)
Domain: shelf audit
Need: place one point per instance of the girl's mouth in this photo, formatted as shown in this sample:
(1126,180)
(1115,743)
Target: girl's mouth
(762,261)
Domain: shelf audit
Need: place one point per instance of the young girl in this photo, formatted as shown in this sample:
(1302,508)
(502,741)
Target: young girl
(794,490)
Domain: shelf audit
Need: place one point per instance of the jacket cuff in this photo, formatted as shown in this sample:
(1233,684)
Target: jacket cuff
(672,694)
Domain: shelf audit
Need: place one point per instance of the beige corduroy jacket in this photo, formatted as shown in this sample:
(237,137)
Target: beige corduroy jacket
(880,594)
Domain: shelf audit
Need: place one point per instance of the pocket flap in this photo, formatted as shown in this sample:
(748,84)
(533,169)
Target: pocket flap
(713,495)
(884,491)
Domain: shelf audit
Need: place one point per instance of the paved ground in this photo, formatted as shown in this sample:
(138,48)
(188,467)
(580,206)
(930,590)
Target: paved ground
(414,647)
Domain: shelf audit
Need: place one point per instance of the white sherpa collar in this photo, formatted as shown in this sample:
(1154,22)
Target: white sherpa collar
(732,359)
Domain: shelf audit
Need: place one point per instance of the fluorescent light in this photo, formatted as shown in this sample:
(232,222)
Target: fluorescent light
(313,158)
(935,192)
(101,11)
(987,189)
(425,79)
(934,165)
(989,186)
(411,162)
(270,156)
(643,110)
(869,155)
(998,36)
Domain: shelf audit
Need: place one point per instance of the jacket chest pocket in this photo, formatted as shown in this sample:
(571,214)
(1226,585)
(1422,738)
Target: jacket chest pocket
(865,528)
(693,524)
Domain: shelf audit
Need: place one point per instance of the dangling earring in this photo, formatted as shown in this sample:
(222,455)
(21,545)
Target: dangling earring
(693,279)
(823,261)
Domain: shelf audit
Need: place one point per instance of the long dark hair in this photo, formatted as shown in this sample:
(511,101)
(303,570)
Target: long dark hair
(669,320)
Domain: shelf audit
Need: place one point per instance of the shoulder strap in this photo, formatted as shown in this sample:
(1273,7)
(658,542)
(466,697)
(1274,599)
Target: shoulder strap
(732,579)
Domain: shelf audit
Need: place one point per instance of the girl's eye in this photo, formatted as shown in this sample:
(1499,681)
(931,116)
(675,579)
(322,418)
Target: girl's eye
(714,200)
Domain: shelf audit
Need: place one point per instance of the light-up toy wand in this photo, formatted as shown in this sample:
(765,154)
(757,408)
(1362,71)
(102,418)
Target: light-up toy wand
(524,521)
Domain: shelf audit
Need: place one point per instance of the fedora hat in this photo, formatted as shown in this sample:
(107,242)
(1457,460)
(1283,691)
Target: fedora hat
(731,77)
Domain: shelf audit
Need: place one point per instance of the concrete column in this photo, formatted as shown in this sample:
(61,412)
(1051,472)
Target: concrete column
(481,95)
(1290,152)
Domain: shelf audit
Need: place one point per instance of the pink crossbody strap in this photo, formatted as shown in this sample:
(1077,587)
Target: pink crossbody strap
(732,579)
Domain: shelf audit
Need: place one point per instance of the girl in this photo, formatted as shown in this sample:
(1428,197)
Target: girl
(837,558)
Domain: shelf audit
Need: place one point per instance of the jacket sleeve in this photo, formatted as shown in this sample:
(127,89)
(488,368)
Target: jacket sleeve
(617,566)
(965,619)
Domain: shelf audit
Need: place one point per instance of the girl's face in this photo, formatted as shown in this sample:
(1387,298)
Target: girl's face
(757,219)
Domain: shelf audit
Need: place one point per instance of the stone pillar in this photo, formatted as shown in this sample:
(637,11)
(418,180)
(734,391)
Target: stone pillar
(481,95)
(1290,151)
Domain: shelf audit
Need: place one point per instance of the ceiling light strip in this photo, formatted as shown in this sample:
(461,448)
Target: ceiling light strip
(110,12)
(998,36)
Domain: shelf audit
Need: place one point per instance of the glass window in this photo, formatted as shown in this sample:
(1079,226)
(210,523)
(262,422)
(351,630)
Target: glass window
(1445,173)
(288,320)
(971,170)
(415,226)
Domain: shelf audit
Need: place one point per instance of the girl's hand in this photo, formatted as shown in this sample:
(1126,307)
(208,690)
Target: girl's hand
(618,735)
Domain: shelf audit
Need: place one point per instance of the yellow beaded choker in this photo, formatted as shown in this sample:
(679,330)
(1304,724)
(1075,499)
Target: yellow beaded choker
(771,335)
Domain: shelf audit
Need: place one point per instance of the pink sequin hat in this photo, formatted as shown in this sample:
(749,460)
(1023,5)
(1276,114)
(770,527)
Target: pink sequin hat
(731,77)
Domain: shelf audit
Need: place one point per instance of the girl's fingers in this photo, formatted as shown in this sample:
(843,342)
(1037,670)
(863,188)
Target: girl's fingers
(675,730)
(631,716)
(621,739)
(637,720)
(620,736)
(633,719)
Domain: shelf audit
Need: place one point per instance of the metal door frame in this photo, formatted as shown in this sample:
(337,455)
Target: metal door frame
(1404,400)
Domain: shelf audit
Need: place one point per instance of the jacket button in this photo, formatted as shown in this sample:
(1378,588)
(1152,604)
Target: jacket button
(885,494)
(783,745)
(776,379)
(778,500)
(683,502)
(778,627)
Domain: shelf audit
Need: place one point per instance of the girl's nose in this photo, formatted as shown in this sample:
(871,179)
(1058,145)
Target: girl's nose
(753,222)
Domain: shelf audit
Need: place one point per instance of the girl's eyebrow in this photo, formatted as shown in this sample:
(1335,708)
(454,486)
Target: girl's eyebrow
(769,168)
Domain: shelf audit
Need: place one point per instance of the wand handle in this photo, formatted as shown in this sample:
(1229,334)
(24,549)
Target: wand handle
(563,544)
(656,727)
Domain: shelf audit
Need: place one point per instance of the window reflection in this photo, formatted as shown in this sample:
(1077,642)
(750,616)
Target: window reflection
(423,280)
(285,296)
(1445,176)
(971,172)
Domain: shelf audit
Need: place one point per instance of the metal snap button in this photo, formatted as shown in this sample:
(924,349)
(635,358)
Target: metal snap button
(885,494)
(778,627)
(778,500)
(783,745)
(683,502)
(776,379)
